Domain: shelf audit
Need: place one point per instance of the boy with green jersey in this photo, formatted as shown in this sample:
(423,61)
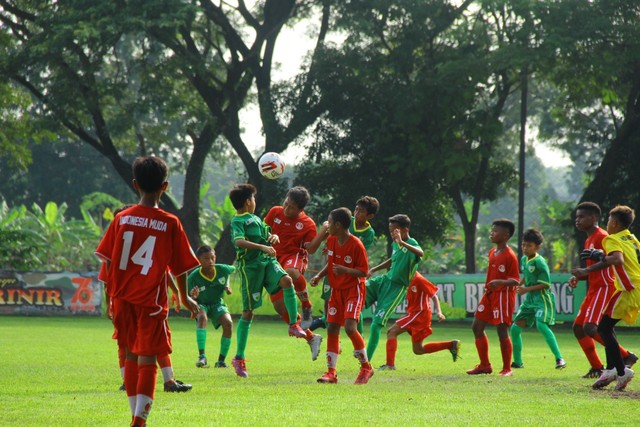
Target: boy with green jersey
(207,285)
(258,268)
(366,208)
(538,305)
(389,290)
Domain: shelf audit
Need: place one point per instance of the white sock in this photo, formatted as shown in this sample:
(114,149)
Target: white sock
(167,373)
(132,404)
(122,373)
(143,406)
(332,360)
(361,355)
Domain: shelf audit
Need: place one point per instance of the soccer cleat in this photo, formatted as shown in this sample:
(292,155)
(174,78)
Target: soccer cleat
(317,323)
(387,368)
(607,377)
(515,365)
(220,364)
(176,386)
(315,344)
(307,318)
(506,373)
(240,367)
(364,375)
(455,350)
(560,363)
(479,369)
(202,362)
(593,373)
(296,331)
(630,360)
(122,388)
(624,379)
(328,378)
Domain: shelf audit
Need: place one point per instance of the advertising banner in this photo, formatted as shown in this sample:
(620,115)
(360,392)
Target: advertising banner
(464,291)
(50,294)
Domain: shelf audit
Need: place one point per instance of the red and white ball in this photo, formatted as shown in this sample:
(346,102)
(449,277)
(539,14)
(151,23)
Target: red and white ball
(271,165)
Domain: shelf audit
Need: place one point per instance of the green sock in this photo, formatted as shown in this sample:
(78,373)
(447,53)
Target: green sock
(374,339)
(360,326)
(225,343)
(201,338)
(291,303)
(243,337)
(549,338)
(516,339)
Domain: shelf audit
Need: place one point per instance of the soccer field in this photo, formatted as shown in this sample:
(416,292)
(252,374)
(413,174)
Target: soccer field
(64,371)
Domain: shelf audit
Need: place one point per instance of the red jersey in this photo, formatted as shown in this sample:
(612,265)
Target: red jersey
(352,255)
(503,266)
(601,278)
(293,232)
(419,295)
(141,243)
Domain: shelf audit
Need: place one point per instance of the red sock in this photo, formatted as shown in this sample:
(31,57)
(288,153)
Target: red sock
(482,345)
(506,348)
(122,355)
(392,347)
(309,336)
(131,376)
(147,380)
(300,285)
(624,352)
(589,349)
(432,347)
(333,343)
(356,340)
(164,361)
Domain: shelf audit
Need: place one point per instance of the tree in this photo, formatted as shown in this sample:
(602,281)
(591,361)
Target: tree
(596,117)
(164,76)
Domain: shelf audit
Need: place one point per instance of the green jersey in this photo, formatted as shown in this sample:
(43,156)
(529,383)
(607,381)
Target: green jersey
(211,290)
(249,227)
(366,234)
(404,263)
(535,271)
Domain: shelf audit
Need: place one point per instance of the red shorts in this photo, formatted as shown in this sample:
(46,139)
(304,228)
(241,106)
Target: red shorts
(346,304)
(418,325)
(496,308)
(296,261)
(593,305)
(142,330)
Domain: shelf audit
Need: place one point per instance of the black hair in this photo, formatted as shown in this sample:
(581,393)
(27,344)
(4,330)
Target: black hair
(204,249)
(401,219)
(507,224)
(240,193)
(369,203)
(342,216)
(532,236)
(590,207)
(150,173)
(299,196)
(623,214)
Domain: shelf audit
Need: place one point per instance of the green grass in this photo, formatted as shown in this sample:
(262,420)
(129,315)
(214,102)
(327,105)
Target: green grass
(64,371)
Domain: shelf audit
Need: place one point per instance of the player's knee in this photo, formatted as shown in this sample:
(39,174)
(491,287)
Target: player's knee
(590,329)
(285,282)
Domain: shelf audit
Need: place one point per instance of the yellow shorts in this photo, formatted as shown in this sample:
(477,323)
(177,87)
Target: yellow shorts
(624,305)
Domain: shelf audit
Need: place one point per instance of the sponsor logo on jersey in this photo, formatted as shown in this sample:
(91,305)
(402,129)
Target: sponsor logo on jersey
(330,253)
(348,259)
(532,268)
(299,226)
(481,308)
(333,311)
(256,296)
(223,281)
(414,288)
(250,220)
(277,220)
(326,288)
(502,268)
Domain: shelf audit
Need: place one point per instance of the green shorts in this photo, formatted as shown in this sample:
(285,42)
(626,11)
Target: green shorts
(387,297)
(326,289)
(264,273)
(540,308)
(215,312)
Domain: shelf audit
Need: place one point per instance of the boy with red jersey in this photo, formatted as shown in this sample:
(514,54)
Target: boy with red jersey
(498,302)
(622,251)
(417,322)
(347,266)
(601,287)
(298,239)
(138,247)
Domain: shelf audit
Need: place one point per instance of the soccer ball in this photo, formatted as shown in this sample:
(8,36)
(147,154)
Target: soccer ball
(271,165)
